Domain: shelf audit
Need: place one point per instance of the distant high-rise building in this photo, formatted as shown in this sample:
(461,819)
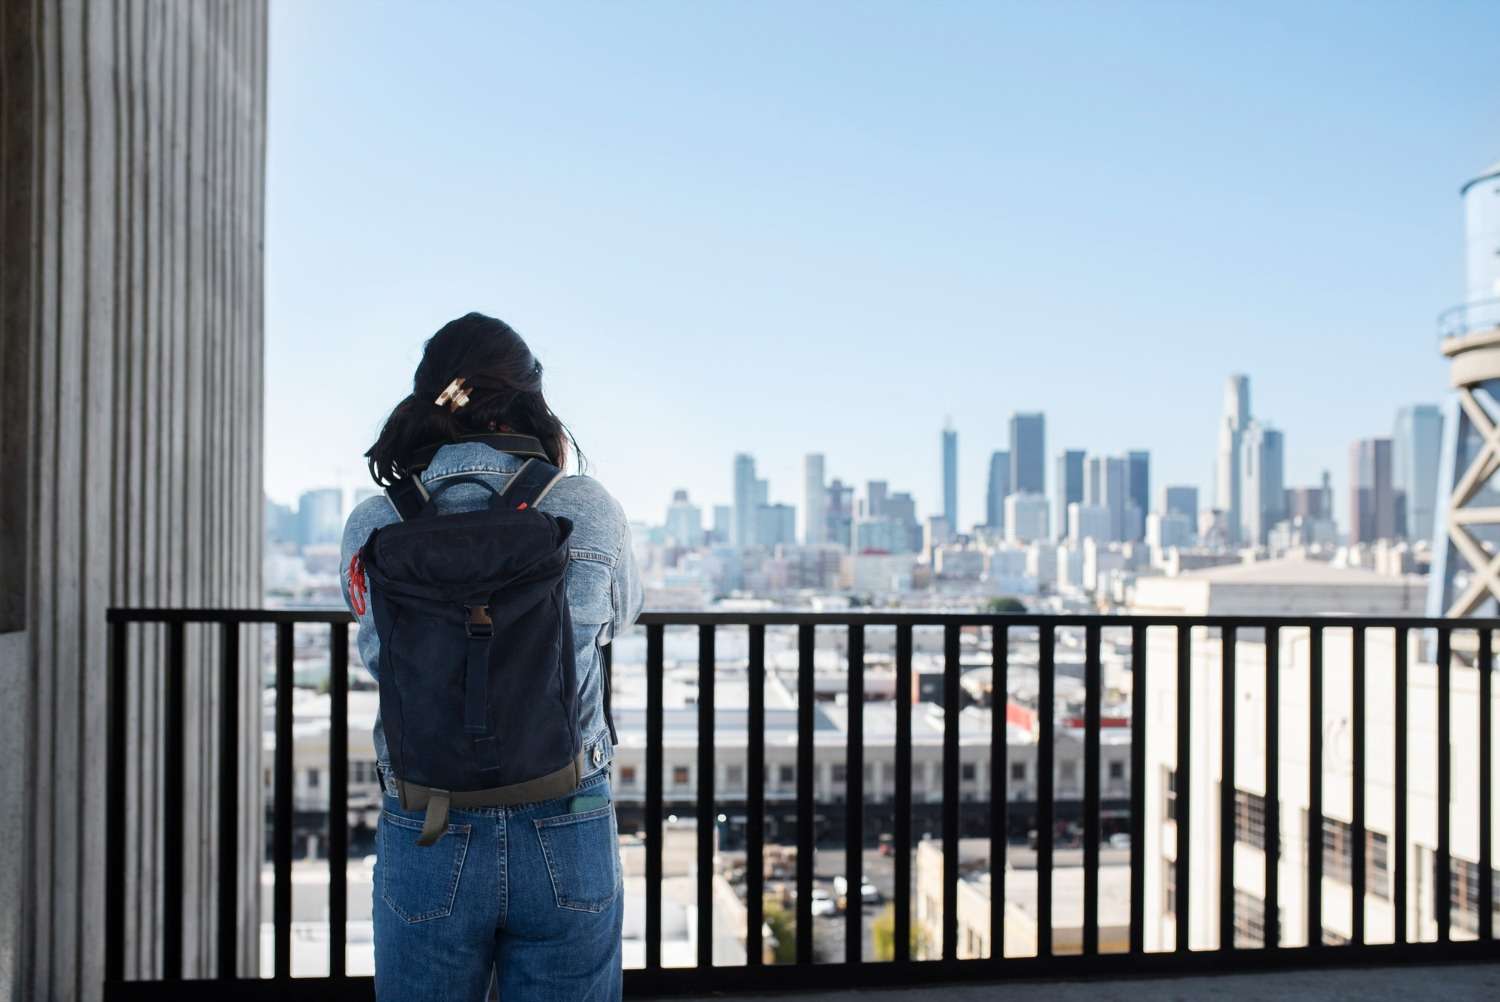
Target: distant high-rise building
(745,500)
(1069,485)
(1231,427)
(901,508)
(723,524)
(320,516)
(1138,490)
(814,500)
(950,474)
(1262,481)
(1415,447)
(1181,500)
(775,525)
(839,513)
(935,532)
(1372,496)
(1028,453)
(875,494)
(684,521)
(281,523)
(998,488)
(1025,517)
(1104,486)
(1310,503)
(1087,521)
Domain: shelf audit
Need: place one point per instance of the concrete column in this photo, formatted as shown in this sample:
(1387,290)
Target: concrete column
(132,137)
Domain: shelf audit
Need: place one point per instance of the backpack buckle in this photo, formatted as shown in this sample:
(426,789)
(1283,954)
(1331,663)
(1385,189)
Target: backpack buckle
(479,623)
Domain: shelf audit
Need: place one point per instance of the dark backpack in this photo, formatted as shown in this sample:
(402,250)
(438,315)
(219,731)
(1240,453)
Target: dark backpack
(478,691)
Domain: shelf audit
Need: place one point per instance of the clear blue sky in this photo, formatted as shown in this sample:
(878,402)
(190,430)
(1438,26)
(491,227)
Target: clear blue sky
(792,227)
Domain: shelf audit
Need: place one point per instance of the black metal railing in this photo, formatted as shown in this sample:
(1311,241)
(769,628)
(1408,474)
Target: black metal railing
(854,970)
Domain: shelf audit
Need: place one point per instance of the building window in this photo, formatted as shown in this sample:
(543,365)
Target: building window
(1463,883)
(1117,770)
(969,771)
(1018,772)
(1338,857)
(1170,882)
(788,775)
(1249,920)
(679,775)
(1250,819)
(313,778)
(734,776)
(1169,785)
(1068,772)
(627,775)
(840,773)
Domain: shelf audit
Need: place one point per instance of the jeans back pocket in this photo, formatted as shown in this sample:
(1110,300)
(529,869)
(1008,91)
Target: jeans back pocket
(583,858)
(419,882)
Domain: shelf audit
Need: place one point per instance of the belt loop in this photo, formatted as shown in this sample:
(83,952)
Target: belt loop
(435,823)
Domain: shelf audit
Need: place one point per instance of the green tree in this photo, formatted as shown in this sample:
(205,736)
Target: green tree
(1004,605)
(883,931)
(783,928)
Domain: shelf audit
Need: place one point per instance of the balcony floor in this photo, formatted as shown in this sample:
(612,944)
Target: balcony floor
(1451,983)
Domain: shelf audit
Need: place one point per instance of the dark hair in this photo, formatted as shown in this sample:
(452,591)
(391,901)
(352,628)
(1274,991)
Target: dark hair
(504,383)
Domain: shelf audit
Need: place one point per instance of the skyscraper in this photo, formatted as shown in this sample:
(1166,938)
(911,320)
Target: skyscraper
(684,520)
(1069,485)
(997,489)
(875,494)
(950,475)
(1372,497)
(1028,453)
(1180,500)
(1025,517)
(1231,426)
(1104,487)
(839,513)
(1415,447)
(814,500)
(320,516)
(1138,490)
(745,499)
(1262,481)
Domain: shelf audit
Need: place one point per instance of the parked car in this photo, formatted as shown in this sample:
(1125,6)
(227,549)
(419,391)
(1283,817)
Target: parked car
(1119,840)
(823,903)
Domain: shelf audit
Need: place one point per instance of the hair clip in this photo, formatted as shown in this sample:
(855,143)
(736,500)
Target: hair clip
(455,396)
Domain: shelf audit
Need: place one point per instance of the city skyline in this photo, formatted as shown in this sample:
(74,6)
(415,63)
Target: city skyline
(934,234)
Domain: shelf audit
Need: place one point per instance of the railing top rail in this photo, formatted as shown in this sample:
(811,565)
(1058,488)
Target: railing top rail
(850,618)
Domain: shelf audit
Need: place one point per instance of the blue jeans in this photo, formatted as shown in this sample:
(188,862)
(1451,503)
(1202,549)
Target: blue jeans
(530,895)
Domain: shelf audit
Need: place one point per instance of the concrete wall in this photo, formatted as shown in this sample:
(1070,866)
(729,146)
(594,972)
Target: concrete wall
(131,196)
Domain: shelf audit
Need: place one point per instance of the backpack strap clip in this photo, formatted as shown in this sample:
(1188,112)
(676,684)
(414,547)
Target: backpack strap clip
(529,485)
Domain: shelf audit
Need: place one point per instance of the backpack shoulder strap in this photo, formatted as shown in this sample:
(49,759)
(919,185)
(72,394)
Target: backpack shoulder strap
(408,496)
(530,484)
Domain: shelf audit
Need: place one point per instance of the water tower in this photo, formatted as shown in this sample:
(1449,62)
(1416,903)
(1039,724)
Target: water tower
(1466,550)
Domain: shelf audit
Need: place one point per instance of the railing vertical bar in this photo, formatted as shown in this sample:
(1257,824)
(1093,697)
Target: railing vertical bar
(1486,871)
(281,834)
(338,798)
(950,791)
(806,694)
(854,774)
(1272,917)
(1399,835)
(1093,683)
(654,783)
(173,803)
(114,886)
(1046,718)
(1443,881)
(1228,788)
(705,805)
(999,799)
(1315,787)
(755,836)
(1357,820)
(1184,796)
(903,794)
(1137,788)
(229,800)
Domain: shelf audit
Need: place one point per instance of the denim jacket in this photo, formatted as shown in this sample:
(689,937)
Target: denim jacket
(604,588)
